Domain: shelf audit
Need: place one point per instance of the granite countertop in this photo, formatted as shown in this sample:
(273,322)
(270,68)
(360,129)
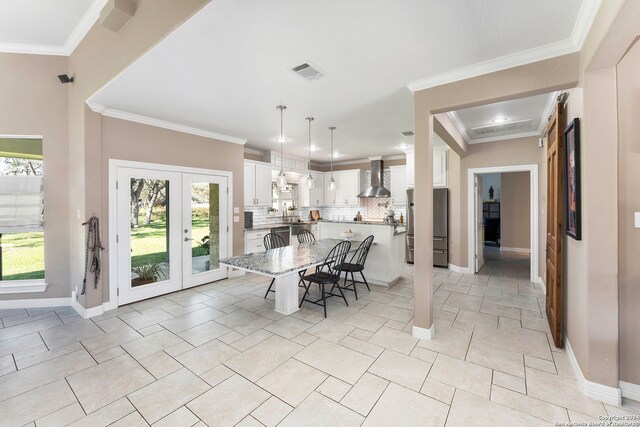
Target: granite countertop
(357,222)
(277,224)
(280,261)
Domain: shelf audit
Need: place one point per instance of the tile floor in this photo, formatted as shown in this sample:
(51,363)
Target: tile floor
(219,355)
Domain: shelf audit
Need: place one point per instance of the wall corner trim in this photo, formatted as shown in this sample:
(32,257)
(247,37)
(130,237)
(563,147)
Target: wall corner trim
(457,269)
(604,393)
(630,391)
(423,333)
(86,313)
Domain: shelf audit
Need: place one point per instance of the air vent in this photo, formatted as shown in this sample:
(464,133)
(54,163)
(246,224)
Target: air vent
(407,133)
(308,71)
(502,127)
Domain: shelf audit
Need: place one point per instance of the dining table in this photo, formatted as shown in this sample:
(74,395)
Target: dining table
(283,264)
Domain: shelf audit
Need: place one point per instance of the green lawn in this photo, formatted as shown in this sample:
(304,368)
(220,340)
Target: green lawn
(23,256)
(23,253)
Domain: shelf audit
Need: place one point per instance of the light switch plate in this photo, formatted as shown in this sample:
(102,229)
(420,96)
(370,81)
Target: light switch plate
(236,218)
(637,219)
(236,210)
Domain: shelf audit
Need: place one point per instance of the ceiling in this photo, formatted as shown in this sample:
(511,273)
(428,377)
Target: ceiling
(52,27)
(503,120)
(225,70)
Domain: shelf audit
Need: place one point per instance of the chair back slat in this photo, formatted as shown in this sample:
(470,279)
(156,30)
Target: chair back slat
(273,240)
(360,256)
(305,236)
(336,257)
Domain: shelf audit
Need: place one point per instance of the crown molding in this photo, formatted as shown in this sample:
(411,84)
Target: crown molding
(81,29)
(459,125)
(548,109)
(581,27)
(505,137)
(145,120)
(250,150)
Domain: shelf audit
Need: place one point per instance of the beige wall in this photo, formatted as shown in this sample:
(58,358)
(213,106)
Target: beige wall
(125,140)
(255,157)
(33,102)
(511,152)
(515,206)
(628,204)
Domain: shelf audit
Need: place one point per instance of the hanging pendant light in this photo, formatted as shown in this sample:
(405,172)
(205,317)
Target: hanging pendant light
(282,178)
(310,181)
(332,182)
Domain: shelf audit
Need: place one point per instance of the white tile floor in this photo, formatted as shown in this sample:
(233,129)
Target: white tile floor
(219,355)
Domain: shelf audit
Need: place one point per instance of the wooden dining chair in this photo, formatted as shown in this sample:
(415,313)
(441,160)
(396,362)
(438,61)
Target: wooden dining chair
(356,265)
(272,241)
(326,274)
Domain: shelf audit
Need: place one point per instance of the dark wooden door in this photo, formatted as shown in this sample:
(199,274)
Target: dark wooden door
(555,201)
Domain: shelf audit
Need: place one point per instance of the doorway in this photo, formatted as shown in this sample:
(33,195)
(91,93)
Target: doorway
(478,252)
(169,227)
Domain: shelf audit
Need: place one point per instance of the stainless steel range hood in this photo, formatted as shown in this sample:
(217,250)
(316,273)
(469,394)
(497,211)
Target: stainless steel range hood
(377,185)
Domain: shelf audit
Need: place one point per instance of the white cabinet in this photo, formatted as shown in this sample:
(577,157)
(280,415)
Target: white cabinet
(398,185)
(295,164)
(257,184)
(348,184)
(316,194)
(440,167)
(411,156)
(254,241)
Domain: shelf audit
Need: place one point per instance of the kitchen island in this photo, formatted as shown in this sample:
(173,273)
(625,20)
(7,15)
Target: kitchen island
(386,261)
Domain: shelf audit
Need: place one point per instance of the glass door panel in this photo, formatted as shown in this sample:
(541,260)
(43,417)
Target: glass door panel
(205,229)
(149,252)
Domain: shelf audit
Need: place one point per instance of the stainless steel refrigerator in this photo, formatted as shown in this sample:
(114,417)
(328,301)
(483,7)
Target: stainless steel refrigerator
(440,227)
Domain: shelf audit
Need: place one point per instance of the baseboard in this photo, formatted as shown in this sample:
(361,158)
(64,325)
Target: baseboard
(463,270)
(540,281)
(38,302)
(422,333)
(518,250)
(630,391)
(604,393)
(86,313)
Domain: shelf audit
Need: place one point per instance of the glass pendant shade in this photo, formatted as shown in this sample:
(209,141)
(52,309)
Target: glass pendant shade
(332,184)
(282,180)
(311,183)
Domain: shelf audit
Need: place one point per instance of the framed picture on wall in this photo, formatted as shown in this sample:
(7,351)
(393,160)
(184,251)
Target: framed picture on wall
(572,190)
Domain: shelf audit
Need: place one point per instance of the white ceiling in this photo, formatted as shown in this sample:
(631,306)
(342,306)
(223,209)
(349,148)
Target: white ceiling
(223,72)
(53,27)
(502,120)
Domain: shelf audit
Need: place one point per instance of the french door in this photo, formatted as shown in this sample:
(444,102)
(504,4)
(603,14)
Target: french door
(479,225)
(171,231)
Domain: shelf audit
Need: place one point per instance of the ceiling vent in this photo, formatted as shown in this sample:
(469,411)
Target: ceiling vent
(308,71)
(502,127)
(407,133)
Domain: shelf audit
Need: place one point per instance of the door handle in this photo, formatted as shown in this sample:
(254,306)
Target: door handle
(186,239)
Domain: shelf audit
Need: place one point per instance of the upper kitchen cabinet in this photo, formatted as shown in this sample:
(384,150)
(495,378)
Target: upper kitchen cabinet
(410,165)
(398,185)
(348,186)
(257,183)
(316,194)
(440,166)
(295,164)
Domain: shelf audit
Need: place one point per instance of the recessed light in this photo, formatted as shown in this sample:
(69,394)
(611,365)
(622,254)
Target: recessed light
(314,148)
(403,146)
(336,154)
(500,119)
(281,140)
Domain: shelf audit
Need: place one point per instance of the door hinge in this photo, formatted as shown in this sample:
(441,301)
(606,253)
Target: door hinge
(227,228)
(227,190)
(118,291)
(116,185)
(117,238)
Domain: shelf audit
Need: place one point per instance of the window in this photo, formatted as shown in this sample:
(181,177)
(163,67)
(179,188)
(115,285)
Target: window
(21,210)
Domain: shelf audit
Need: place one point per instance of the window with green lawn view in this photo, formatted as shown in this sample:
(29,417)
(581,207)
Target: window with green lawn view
(21,209)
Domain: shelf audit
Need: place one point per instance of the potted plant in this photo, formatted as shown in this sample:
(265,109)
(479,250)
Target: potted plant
(147,273)
(292,209)
(272,211)
(206,245)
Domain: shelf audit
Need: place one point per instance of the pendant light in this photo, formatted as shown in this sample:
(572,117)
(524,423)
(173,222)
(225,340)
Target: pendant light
(310,181)
(332,182)
(282,178)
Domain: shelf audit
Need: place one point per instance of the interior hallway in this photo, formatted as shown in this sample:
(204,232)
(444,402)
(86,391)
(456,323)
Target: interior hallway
(219,355)
(515,265)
